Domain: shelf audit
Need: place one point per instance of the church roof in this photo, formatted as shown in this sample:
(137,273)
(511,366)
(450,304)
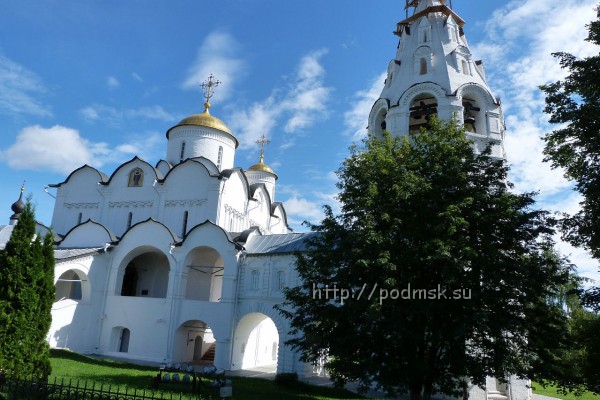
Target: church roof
(278,244)
(65,254)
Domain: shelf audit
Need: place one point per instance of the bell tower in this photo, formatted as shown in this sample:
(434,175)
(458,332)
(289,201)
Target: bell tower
(434,73)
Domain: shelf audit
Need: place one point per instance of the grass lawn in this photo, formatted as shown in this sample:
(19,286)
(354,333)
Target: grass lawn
(551,391)
(71,366)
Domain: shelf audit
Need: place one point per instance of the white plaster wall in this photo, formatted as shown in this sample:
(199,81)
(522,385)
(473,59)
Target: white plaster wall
(201,142)
(78,195)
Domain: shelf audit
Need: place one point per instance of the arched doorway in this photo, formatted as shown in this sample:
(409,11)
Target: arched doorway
(194,343)
(204,267)
(145,275)
(256,343)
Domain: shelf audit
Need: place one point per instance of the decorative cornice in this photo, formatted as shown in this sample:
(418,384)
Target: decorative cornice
(81,205)
(120,204)
(175,203)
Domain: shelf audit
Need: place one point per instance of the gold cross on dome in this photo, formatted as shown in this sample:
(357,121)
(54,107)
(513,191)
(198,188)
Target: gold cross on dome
(208,87)
(262,142)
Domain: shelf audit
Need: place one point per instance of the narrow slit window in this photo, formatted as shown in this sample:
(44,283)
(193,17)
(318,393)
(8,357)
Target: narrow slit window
(79,218)
(185,222)
(129,219)
(423,70)
(182,151)
(220,158)
(465,67)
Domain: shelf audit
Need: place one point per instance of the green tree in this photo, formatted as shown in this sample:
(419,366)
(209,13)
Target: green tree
(575,104)
(425,213)
(26,297)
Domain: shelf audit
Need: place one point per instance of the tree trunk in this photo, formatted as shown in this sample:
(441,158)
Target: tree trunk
(416,392)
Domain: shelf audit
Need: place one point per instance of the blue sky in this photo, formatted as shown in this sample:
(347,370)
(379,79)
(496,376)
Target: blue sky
(98,82)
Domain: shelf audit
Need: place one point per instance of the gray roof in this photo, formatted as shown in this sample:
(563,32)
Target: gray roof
(65,254)
(277,244)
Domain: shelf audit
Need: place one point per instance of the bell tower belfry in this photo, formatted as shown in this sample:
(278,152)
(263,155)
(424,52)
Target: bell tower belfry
(434,73)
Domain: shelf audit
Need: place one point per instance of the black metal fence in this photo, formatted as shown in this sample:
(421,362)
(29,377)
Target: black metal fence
(20,389)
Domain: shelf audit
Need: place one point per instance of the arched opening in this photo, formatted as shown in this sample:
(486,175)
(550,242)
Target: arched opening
(136,178)
(69,286)
(255,343)
(421,109)
(204,266)
(120,338)
(146,275)
(195,343)
(471,116)
(380,122)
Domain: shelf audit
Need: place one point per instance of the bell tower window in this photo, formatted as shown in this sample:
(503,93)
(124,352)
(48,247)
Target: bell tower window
(421,111)
(423,60)
(465,68)
(470,112)
(423,67)
(136,178)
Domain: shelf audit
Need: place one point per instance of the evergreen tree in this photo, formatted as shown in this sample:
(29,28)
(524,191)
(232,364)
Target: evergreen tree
(447,274)
(26,297)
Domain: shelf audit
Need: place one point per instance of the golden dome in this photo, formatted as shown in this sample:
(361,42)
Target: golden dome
(262,167)
(206,120)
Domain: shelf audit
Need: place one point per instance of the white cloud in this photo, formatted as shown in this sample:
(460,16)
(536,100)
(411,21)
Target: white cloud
(111,115)
(112,82)
(35,148)
(218,55)
(520,39)
(356,119)
(297,107)
(18,90)
(136,77)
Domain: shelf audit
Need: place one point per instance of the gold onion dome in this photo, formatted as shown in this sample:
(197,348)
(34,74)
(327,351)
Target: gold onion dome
(206,120)
(262,167)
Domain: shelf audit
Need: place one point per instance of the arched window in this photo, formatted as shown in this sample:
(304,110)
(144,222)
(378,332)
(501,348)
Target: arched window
(255,277)
(182,152)
(423,67)
(465,68)
(136,178)
(220,158)
(280,280)
(68,286)
(124,340)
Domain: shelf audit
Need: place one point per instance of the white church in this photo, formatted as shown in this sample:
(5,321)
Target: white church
(182,261)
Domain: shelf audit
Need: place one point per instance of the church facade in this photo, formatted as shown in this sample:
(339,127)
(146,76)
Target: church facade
(182,261)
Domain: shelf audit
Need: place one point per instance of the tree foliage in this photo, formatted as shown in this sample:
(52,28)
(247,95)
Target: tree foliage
(426,213)
(575,146)
(574,103)
(26,297)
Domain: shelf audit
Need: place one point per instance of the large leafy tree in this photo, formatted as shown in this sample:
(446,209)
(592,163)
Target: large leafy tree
(447,275)
(575,146)
(26,297)
(574,103)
